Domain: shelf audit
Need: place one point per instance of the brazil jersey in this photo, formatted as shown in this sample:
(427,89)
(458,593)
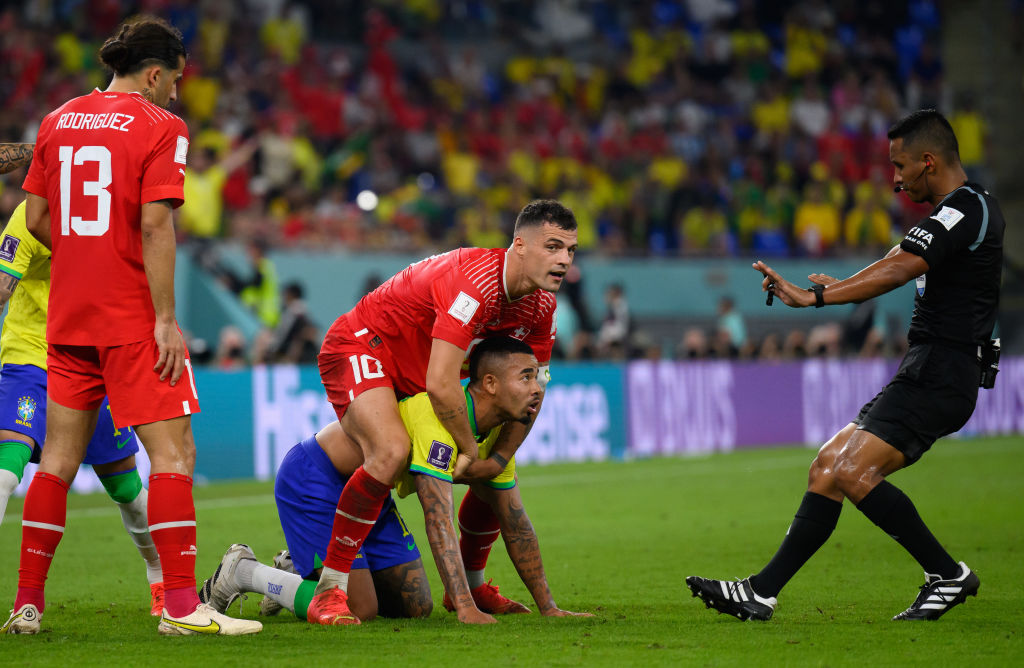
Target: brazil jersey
(24,334)
(433,448)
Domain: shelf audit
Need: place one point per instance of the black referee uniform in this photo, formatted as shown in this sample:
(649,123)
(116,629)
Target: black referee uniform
(936,387)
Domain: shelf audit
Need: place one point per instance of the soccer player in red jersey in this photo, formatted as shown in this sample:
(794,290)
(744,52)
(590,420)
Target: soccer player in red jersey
(108,168)
(412,335)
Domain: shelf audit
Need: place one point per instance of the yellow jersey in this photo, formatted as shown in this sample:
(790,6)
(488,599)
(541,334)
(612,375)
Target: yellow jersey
(23,340)
(433,448)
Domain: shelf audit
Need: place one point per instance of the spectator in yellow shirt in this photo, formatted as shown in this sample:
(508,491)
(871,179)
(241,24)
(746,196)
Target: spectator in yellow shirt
(867,225)
(816,224)
(203,210)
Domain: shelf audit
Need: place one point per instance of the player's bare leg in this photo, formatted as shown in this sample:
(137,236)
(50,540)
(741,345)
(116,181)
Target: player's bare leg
(524,551)
(374,423)
(403,590)
(123,484)
(172,524)
(45,512)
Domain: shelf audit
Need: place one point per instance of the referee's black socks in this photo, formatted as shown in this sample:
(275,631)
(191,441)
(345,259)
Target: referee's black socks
(815,520)
(894,513)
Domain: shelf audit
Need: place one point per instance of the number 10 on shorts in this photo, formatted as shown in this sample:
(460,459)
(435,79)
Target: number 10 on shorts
(361,367)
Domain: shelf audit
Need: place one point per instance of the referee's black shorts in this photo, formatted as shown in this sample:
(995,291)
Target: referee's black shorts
(932,394)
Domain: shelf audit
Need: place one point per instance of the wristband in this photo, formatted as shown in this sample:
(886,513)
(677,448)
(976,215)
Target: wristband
(819,294)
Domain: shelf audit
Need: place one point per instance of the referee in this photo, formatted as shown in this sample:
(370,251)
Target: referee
(955,255)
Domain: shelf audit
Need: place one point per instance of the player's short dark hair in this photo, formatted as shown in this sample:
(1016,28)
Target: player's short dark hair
(141,42)
(494,347)
(927,130)
(542,211)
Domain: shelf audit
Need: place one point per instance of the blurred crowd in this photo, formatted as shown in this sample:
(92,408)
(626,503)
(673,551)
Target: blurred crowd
(694,127)
(617,335)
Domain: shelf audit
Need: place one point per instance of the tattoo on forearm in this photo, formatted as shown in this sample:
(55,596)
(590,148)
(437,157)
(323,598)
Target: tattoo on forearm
(449,414)
(7,285)
(403,590)
(436,498)
(13,156)
(523,548)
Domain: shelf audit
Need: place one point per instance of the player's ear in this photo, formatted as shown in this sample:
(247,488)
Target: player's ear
(519,245)
(153,75)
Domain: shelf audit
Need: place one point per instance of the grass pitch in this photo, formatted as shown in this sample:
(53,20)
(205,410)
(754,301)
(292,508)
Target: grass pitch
(618,539)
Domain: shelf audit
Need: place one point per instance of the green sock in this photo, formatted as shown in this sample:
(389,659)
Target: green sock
(14,456)
(303,597)
(122,487)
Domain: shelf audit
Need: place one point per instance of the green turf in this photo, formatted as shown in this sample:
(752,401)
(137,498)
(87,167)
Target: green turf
(618,539)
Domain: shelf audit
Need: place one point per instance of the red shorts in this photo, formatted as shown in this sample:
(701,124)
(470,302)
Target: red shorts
(80,376)
(351,363)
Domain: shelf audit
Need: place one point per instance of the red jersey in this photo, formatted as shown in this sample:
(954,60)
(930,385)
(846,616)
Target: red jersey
(459,297)
(98,158)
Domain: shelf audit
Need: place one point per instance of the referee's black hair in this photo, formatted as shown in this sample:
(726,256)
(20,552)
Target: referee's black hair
(927,130)
(542,211)
(140,42)
(495,346)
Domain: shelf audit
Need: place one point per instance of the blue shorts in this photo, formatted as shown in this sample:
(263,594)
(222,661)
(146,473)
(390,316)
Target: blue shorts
(23,410)
(307,490)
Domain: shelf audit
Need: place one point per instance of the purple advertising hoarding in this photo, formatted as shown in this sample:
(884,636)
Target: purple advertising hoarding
(700,407)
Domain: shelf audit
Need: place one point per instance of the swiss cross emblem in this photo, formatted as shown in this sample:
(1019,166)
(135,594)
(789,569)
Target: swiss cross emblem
(520,332)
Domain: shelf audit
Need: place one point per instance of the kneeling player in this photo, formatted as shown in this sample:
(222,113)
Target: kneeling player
(387,576)
(502,387)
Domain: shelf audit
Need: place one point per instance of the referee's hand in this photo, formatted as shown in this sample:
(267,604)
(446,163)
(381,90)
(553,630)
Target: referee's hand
(790,294)
(171,345)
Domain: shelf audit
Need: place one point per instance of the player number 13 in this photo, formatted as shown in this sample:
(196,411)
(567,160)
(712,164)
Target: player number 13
(97,189)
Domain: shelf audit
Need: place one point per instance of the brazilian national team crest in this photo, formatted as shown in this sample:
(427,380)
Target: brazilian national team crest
(26,410)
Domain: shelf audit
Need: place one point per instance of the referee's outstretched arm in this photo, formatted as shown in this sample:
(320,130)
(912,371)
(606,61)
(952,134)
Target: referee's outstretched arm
(895,269)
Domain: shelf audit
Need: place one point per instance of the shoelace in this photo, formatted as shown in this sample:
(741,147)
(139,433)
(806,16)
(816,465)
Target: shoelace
(734,590)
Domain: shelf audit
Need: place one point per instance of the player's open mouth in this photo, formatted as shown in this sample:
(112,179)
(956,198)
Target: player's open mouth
(533,407)
(557,274)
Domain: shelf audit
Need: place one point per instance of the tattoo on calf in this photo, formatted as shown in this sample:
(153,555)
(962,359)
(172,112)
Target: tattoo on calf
(403,590)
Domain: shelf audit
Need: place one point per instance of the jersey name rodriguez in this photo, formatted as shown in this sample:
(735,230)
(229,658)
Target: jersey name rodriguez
(80,121)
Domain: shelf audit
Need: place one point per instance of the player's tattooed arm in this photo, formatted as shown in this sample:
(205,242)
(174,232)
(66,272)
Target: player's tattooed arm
(436,498)
(7,285)
(13,156)
(403,590)
(522,545)
(448,399)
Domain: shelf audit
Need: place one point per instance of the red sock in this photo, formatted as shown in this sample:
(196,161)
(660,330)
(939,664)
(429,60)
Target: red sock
(479,529)
(42,526)
(172,524)
(360,503)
